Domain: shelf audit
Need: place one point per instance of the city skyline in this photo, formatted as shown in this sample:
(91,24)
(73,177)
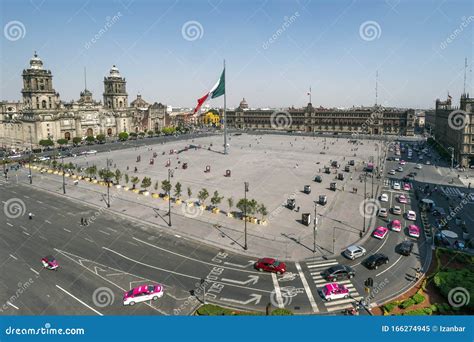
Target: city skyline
(273,67)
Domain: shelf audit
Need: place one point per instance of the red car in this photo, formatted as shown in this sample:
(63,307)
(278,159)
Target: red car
(270,265)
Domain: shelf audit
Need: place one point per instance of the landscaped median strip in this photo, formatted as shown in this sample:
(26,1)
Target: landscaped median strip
(178,201)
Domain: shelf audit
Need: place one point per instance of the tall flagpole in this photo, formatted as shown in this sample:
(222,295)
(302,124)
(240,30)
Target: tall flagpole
(224,117)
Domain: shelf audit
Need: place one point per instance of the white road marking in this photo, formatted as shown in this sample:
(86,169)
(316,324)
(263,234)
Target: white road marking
(250,263)
(134,244)
(39,202)
(307,288)
(252,279)
(342,301)
(13,257)
(67,230)
(26,196)
(111,229)
(401,256)
(321,265)
(47,221)
(26,233)
(13,306)
(253,298)
(87,239)
(41,237)
(383,243)
(34,271)
(178,236)
(104,232)
(22,227)
(11,225)
(80,301)
(277,291)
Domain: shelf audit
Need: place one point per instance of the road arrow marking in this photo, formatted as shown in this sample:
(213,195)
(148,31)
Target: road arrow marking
(253,279)
(250,263)
(253,298)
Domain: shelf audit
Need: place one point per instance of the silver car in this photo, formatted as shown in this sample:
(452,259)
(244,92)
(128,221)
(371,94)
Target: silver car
(354,252)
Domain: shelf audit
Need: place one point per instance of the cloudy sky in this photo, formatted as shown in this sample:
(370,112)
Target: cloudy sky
(173,51)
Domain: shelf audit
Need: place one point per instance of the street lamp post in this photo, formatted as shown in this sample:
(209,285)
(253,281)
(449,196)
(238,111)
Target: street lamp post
(169,197)
(365,198)
(108,183)
(315,226)
(29,163)
(64,178)
(246,189)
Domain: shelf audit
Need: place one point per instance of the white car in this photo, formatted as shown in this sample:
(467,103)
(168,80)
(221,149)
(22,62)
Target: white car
(353,252)
(91,152)
(391,172)
(383,198)
(400,169)
(143,293)
(428,162)
(418,166)
(397,186)
(411,215)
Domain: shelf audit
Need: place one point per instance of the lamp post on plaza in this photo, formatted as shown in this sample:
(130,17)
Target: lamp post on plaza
(170,174)
(315,226)
(64,179)
(365,198)
(29,163)
(246,189)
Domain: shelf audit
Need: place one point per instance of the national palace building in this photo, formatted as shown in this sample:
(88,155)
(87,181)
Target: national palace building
(42,115)
(375,120)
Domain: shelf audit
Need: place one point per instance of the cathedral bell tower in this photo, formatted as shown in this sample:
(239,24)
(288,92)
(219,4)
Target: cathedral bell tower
(115,92)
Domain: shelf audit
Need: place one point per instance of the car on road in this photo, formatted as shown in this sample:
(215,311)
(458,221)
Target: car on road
(396,225)
(428,162)
(354,252)
(383,212)
(391,172)
(380,232)
(411,215)
(143,293)
(338,272)
(418,167)
(383,198)
(406,186)
(405,248)
(402,162)
(334,291)
(396,186)
(396,210)
(376,260)
(270,265)
(402,199)
(91,152)
(413,231)
(400,169)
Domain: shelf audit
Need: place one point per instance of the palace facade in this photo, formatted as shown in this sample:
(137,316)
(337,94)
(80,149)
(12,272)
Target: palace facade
(42,115)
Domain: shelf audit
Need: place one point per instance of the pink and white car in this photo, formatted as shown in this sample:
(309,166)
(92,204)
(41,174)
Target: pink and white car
(414,231)
(396,225)
(334,291)
(143,293)
(411,215)
(402,199)
(380,232)
(406,186)
(402,162)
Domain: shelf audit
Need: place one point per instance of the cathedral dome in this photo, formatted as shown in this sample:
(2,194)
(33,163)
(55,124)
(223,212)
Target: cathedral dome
(36,62)
(243,104)
(114,72)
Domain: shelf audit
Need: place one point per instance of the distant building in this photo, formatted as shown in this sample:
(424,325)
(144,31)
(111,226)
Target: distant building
(420,120)
(42,115)
(373,121)
(454,128)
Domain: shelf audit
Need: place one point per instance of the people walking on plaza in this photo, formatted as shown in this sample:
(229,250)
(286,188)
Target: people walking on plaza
(82,221)
(30,216)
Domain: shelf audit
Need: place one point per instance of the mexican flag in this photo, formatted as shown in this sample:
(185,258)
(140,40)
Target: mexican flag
(216,91)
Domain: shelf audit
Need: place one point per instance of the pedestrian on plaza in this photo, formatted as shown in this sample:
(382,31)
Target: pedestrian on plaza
(30,216)
(82,221)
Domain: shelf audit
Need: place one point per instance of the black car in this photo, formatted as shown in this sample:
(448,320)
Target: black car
(338,272)
(375,260)
(405,248)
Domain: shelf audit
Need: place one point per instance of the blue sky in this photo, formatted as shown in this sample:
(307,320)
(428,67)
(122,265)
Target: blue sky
(322,45)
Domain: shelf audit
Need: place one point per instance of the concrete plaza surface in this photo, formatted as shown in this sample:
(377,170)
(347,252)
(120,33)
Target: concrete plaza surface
(276,167)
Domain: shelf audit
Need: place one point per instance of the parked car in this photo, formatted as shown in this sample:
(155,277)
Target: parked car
(400,169)
(323,199)
(354,252)
(270,265)
(307,189)
(391,172)
(376,260)
(338,272)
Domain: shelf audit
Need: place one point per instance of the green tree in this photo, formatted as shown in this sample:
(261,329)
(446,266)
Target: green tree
(252,207)
(202,196)
(146,182)
(91,171)
(123,136)
(133,135)
(127,178)
(105,174)
(90,139)
(216,199)
(141,134)
(54,163)
(166,186)
(177,190)
(46,143)
(76,140)
(135,181)
(190,193)
(118,175)
(62,141)
(230,203)
(150,133)
(249,205)
(262,210)
(100,137)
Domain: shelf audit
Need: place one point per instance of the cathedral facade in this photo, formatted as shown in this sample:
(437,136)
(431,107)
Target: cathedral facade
(41,114)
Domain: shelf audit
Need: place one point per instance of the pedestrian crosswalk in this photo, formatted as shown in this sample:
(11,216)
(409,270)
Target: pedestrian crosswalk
(315,268)
(451,191)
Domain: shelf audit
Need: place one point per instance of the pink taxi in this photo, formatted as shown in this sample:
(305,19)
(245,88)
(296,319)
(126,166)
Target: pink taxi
(402,199)
(143,293)
(396,225)
(413,231)
(380,232)
(334,291)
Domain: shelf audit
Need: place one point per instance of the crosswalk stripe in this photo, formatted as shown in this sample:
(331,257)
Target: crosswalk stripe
(340,301)
(322,265)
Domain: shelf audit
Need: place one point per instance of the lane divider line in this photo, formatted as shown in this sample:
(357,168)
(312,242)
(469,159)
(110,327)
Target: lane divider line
(307,288)
(80,301)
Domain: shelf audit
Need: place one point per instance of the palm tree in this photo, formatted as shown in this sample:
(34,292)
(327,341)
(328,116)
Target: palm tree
(166,186)
(262,210)
(216,199)
(177,190)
